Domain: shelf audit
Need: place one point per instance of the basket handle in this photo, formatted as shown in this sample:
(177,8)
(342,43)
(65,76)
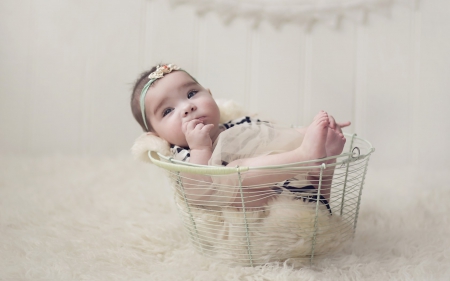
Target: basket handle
(200,169)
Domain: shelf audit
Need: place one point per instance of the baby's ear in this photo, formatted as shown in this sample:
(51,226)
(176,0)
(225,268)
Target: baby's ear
(149,142)
(209,91)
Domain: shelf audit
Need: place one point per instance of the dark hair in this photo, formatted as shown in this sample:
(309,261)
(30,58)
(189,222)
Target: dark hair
(135,96)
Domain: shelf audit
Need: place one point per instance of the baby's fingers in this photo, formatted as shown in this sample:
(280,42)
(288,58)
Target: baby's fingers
(190,125)
(207,128)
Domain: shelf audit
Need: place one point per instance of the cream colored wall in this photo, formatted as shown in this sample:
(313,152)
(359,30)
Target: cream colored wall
(67,68)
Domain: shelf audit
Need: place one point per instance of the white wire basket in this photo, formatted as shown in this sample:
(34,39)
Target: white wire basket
(305,217)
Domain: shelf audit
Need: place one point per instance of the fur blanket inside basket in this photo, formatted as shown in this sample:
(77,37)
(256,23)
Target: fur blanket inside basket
(281,231)
(221,228)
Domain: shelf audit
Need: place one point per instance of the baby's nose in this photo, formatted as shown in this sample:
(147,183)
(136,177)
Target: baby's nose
(189,109)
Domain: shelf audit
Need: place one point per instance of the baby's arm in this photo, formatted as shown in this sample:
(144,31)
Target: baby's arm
(200,144)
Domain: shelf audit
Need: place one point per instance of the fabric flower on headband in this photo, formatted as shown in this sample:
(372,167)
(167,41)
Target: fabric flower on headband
(161,70)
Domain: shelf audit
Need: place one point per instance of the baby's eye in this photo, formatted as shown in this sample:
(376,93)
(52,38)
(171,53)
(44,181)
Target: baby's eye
(191,94)
(167,111)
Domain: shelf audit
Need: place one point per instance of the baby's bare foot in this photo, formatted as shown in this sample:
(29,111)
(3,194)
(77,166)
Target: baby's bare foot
(313,145)
(335,142)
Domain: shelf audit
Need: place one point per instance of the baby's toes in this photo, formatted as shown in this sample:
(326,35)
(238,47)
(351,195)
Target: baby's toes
(320,115)
(322,122)
(332,122)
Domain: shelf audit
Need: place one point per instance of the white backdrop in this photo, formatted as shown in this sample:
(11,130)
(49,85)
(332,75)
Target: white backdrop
(67,67)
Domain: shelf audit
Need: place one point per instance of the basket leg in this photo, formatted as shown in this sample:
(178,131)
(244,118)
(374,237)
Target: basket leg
(313,246)
(247,233)
(346,175)
(359,196)
(191,217)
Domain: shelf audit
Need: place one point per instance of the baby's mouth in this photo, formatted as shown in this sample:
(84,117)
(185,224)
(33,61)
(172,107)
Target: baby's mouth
(202,119)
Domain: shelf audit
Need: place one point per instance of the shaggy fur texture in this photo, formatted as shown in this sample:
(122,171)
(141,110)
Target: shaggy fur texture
(85,218)
(280,231)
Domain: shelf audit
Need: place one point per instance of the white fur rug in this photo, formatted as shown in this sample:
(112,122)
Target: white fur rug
(85,218)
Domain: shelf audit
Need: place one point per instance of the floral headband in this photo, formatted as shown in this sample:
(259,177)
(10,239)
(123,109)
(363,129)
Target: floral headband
(160,71)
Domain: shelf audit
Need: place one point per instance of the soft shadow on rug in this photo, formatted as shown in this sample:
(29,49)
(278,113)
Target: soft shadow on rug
(85,218)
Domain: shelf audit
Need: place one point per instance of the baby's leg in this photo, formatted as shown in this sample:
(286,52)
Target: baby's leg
(314,142)
(313,147)
(334,146)
(335,139)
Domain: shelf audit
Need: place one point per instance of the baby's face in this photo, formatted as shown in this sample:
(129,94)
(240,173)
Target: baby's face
(177,98)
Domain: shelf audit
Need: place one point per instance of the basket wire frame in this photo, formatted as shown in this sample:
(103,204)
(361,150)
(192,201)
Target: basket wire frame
(246,226)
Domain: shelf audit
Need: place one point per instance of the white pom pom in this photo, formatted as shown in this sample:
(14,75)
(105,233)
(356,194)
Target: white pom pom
(149,142)
(230,110)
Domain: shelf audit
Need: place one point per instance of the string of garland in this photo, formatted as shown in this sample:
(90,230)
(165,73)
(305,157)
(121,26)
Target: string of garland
(304,12)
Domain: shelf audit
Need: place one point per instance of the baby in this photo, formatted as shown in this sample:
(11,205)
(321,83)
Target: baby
(171,104)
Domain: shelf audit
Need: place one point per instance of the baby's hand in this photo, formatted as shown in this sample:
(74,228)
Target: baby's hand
(197,134)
